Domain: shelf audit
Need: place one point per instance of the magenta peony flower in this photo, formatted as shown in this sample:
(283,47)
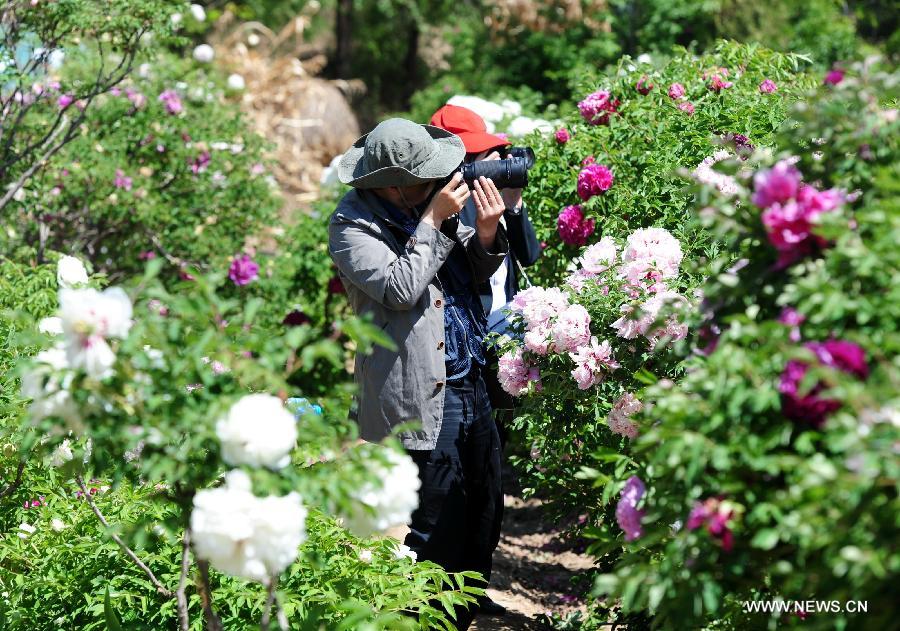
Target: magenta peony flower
(243,270)
(676,91)
(65,101)
(768,86)
(200,163)
(562,135)
(335,286)
(834,76)
(717,515)
(778,184)
(596,107)
(122,181)
(147,255)
(643,86)
(687,107)
(593,180)
(811,408)
(792,318)
(572,226)
(296,318)
(627,514)
(171,101)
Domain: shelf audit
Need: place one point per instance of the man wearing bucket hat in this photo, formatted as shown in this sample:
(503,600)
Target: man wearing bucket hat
(406,260)
(498,291)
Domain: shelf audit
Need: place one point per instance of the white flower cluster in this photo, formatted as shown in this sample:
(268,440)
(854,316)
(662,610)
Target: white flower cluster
(257,431)
(244,535)
(392,503)
(705,174)
(494,113)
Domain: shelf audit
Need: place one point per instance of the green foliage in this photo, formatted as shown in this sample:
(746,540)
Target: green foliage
(814,507)
(186,186)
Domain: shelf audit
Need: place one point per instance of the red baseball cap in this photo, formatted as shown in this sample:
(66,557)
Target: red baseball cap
(469,126)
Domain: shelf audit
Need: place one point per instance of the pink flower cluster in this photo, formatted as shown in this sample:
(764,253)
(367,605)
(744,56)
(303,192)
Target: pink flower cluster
(171,101)
(716,515)
(767,86)
(515,373)
(651,254)
(539,306)
(810,407)
(600,256)
(718,80)
(791,210)
(619,419)
(629,326)
(593,180)
(705,174)
(122,181)
(573,227)
(243,270)
(592,362)
(571,329)
(627,514)
(596,107)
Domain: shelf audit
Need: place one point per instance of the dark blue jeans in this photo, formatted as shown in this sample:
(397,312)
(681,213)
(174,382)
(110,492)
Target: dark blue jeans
(457,523)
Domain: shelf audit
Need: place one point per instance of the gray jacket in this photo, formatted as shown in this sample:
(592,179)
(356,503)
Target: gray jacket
(397,284)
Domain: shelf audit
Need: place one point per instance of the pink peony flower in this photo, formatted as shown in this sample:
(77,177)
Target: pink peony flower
(811,408)
(593,180)
(705,174)
(537,339)
(578,279)
(592,362)
(627,514)
(768,86)
(122,181)
(515,373)
(539,305)
(718,83)
(643,86)
(257,169)
(572,226)
(631,325)
(717,515)
(571,329)
(147,255)
(676,91)
(619,419)
(687,107)
(587,161)
(137,99)
(600,256)
(243,270)
(650,254)
(171,101)
(562,135)
(200,163)
(65,101)
(834,76)
(789,225)
(778,184)
(597,107)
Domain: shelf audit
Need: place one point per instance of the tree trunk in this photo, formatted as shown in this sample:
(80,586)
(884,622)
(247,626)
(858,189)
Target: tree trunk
(343,34)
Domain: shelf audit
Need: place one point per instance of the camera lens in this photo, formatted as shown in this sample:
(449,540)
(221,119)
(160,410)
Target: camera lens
(526,153)
(508,173)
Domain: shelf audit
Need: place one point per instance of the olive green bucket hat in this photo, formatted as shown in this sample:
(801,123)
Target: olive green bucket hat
(399,152)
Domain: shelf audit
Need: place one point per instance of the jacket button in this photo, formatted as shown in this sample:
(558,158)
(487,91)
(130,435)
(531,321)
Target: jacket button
(438,302)
(440,345)
(439,385)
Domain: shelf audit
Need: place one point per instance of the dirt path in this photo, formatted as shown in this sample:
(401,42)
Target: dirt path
(533,567)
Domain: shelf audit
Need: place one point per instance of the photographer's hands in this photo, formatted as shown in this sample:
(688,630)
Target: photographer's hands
(489,205)
(447,202)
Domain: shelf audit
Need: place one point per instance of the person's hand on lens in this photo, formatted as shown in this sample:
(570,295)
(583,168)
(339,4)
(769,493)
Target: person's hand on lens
(489,206)
(447,202)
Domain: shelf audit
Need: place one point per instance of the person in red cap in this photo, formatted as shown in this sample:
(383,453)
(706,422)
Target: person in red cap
(498,291)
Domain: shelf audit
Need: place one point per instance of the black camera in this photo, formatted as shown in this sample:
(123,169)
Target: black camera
(511,171)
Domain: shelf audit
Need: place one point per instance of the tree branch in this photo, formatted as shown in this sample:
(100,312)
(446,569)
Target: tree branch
(183,617)
(213,623)
(10,489)
(128,551)
(31,170)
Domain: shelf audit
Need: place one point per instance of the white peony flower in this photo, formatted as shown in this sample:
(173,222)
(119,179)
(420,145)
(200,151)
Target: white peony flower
(365,556)
(244,535)
(403,551)
(236,82)
(26,530)
(70,272)
(198,12)
(257,431)
(204,53)
(392,503)
(47,389)
(523,125)
(89,317)
(57,524)
(51,326)
(62,454)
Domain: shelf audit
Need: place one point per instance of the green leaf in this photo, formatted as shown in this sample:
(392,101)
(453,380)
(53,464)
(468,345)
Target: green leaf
(765,539)
(112,620)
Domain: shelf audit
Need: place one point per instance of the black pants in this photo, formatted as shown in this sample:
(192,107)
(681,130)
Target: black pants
(457,523)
